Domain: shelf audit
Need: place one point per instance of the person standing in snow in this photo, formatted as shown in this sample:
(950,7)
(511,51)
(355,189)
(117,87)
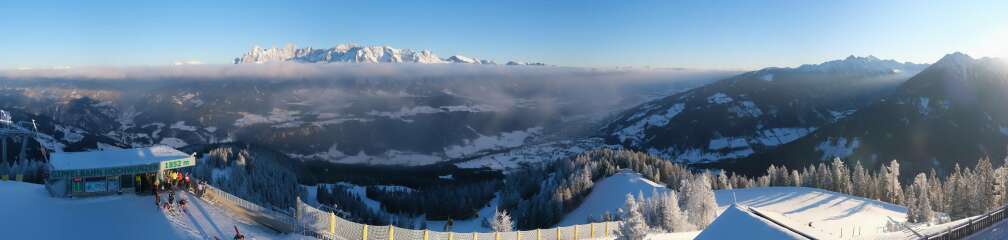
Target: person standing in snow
(448,225)
(238,235)
(157,199)
(171,199)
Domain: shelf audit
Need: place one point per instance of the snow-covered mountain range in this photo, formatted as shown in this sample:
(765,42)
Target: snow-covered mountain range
(756,111)
(950,113)
(349,53)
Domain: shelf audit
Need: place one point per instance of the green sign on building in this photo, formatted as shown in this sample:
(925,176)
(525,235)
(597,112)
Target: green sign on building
(179,163)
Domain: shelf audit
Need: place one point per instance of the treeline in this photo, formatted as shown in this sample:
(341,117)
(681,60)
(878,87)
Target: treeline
(351,206)
(963,193)
(539,197)
(454,200)
(253,174)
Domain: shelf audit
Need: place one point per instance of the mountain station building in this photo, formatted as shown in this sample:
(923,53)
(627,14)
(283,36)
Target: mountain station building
(77,174)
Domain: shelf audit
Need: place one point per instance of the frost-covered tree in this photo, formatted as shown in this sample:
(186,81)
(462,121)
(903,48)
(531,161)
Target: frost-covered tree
(936,192)
(825,179)
(890,185)
(859,180)
(840,176)
(633,226)
(723,182)
(502,221)
(918,202)
(701,207)
(796,178)
(673,219)
(984,183)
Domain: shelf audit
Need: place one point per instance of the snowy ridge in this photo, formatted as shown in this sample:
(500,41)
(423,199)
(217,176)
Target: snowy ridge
(855,63)
(341,53)
(350,53)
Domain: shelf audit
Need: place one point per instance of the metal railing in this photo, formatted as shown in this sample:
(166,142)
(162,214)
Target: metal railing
(972,226)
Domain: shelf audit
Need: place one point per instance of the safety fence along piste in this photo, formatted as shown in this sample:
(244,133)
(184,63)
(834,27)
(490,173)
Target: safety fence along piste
(310,221)
(326,225)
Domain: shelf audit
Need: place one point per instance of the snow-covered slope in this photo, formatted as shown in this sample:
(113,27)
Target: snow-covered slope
(818,212)
(737,222)
(127,216)
(609,195)
(829,213)
(40,216)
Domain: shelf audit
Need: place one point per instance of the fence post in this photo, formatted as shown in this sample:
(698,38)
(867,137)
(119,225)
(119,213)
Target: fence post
(575,233)
(605,230)
(391,232)
(450,235)
(496,236)
(538,234)
(364,235)
(558,233)
(426,234)
(332,223)
(592,230)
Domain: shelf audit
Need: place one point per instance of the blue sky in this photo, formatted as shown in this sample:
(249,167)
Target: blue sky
(693,34)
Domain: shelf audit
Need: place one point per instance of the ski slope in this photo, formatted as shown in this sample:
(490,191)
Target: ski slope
(33,214)
(737,222)
(825,213)
(609,195)
(814,211)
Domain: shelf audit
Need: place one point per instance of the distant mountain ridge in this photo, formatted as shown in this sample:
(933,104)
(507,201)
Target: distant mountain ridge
(350,53)
(950,113)
(756,111)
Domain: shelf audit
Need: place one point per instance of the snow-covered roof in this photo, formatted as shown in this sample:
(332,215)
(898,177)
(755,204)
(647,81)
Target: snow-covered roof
(736,222)
(115,158)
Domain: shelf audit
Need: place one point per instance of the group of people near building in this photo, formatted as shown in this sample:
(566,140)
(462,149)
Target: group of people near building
(173,181)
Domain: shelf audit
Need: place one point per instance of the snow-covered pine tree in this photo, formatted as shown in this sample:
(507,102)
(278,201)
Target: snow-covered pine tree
(633,226)
(501,222)
(723,182)
(910,202)
(985,185)
(824,177)
(796,178)
(859,180)
(771,173)
(920,190)
(840,176)
(783,176)
(673,219)
(701,207)
(809,176)
(935,192)
(954,186)
(889,183)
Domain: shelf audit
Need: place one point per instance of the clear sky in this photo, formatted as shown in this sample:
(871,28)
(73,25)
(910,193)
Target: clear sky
(693,34)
